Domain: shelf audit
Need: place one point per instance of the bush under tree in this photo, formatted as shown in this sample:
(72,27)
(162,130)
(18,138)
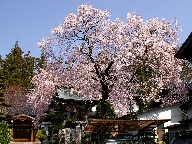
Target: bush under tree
(4,133)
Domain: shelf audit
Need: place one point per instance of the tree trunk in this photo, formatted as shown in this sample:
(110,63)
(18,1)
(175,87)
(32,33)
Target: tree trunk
(103,109)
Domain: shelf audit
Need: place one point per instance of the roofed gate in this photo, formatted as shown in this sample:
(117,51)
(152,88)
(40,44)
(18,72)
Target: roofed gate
(22,128)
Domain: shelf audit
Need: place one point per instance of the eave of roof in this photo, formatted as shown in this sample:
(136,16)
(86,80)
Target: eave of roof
(21,117)
(185,51)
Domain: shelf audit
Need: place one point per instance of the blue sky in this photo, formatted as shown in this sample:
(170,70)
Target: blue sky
(28,21)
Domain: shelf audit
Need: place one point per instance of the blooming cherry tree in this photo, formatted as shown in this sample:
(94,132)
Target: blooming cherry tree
(110,60)
(16,96)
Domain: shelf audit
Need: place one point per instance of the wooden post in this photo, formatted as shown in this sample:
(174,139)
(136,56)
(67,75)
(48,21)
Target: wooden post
(32,134)
(67,135)
(78,135)
(98,138)
(11,135)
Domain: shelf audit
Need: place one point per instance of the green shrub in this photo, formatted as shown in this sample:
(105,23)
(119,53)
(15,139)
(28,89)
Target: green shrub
(41,134)
(107,108)
(4,133)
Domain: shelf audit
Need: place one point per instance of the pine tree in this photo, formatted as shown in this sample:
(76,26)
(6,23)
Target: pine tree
(16,73)
(19,69)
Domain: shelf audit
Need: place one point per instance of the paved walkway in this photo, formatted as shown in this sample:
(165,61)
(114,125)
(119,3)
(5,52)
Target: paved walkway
(24,142)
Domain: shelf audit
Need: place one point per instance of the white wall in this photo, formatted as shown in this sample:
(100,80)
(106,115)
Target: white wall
(172,112)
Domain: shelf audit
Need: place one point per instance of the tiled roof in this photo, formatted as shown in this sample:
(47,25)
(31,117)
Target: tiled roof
(67,95)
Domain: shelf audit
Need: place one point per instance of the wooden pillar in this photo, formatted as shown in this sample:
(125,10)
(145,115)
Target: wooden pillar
(12,132)
(32,133)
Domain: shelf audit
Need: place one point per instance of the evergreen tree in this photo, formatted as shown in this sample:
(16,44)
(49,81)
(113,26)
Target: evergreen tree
(16,73)
(2,99)
(18,68)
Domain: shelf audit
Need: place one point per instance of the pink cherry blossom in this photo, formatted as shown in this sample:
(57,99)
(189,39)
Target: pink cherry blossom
(100,58)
